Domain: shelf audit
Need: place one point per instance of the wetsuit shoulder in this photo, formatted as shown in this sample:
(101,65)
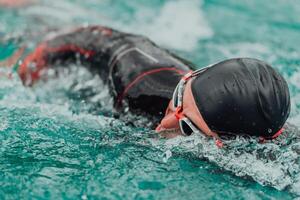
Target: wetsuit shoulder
(88,46)
(139,72)
(144,75)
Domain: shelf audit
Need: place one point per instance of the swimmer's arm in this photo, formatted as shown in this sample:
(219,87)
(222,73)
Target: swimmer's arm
(85,45)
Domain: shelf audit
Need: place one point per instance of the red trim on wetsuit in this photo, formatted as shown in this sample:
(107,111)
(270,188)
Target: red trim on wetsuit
(37,57)
(141,76)
(29,76)
(70,47)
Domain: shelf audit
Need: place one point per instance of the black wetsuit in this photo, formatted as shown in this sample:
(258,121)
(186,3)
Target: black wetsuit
(138,72)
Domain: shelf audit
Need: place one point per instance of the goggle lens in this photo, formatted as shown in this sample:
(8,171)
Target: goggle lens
(185,128)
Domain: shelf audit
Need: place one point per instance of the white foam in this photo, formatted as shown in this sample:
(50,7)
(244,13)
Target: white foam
(295,114)
(243,49)
(294,80)
(238,158)
(4,123)
(177,24)
(61,12)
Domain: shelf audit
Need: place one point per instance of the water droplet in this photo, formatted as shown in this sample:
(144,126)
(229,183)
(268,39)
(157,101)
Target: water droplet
(167,155)
(84,197)
(269,130)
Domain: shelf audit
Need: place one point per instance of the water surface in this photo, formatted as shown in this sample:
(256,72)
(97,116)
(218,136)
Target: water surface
(59,139)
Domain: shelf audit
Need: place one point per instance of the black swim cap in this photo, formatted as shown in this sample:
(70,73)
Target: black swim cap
(242,96)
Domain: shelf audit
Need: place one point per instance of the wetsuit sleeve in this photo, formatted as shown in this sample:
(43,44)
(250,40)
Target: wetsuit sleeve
(136,70)
(88,46)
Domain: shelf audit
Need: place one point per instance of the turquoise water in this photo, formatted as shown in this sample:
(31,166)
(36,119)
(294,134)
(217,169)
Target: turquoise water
(60,141)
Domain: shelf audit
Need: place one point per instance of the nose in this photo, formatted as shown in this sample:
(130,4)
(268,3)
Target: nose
(168,122)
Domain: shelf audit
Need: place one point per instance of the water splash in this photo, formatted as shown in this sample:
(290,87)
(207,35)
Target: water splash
(273,164)
(178,24)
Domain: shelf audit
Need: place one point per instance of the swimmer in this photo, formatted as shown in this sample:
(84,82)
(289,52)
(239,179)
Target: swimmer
(239,96)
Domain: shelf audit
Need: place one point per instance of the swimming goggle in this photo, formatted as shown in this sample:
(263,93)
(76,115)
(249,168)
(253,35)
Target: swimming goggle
(187,127)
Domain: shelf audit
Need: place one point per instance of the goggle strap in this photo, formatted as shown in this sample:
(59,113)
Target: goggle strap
(180,94)
(187,76)
(175,95)
(178,113)
(182,82)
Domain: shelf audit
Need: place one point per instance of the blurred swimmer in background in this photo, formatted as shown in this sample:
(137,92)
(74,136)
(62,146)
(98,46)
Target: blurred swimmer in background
(15,3)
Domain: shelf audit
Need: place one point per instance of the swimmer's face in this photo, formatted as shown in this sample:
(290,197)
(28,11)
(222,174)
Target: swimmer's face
(169,125)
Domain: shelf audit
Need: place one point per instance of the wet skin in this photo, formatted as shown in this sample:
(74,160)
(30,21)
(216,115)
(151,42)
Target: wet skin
(169,125)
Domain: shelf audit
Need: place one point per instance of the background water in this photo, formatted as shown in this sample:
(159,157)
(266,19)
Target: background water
(59,139)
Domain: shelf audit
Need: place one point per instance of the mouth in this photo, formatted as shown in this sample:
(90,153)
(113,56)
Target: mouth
(168,133)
